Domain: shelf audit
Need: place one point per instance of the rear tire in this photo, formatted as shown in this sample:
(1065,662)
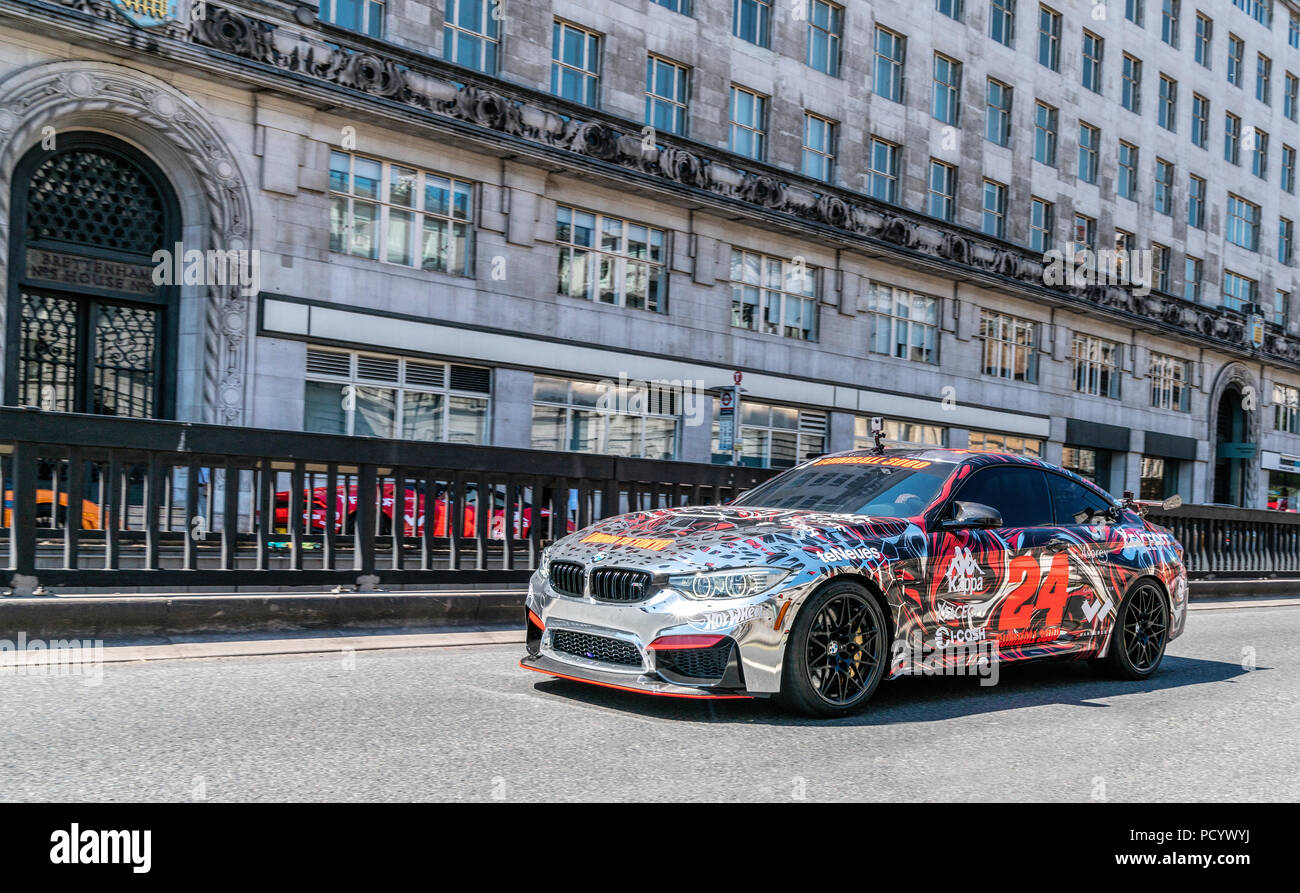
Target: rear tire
(1141,632)
(836,653)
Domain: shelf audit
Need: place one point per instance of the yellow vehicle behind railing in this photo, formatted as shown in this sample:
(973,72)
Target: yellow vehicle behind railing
(44,503)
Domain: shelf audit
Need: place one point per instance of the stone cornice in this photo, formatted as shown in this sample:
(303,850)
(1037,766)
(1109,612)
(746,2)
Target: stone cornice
(370,72)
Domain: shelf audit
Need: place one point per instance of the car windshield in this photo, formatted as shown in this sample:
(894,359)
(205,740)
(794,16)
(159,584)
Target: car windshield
(885,486)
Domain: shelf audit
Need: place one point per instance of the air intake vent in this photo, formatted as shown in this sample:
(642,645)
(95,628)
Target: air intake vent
(599,648)
(377,368)
(566,578)
(614,585)
(426,375)
(471,378)
(328,362)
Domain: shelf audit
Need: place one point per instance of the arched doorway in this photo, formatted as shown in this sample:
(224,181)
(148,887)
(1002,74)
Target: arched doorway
(1233,449)
(88,330)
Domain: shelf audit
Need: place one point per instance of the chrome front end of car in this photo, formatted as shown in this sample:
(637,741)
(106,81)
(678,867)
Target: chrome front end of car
(663,643)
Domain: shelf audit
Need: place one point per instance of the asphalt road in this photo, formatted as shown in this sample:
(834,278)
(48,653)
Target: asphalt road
(466,724)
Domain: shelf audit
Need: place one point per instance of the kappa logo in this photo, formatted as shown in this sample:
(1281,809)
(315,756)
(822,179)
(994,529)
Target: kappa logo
(964,574)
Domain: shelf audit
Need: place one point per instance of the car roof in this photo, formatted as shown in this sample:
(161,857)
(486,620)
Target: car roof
(973,458)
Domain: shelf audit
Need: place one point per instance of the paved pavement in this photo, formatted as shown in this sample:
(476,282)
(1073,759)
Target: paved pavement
(464,723)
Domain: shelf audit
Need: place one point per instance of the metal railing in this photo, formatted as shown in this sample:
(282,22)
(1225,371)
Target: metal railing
(95,501)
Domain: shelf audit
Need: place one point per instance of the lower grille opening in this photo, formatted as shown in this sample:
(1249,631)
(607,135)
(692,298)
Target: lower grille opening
(695,663)
(601,648)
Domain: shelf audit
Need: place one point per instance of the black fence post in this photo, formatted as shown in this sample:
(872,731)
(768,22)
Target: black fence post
(23,520)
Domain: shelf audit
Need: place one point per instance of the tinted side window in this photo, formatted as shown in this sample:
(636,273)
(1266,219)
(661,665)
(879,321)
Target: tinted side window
(1073,500)
(1019,493)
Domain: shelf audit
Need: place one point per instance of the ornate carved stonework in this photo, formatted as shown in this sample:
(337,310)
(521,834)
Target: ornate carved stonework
(61,92)
(422,84)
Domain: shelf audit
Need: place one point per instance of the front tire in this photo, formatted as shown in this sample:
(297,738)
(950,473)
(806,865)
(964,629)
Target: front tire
(1140,635)
(835,656)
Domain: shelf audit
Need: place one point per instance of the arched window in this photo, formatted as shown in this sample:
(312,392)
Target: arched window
(88,330)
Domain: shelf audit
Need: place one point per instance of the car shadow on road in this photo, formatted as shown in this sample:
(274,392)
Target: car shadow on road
(921,698)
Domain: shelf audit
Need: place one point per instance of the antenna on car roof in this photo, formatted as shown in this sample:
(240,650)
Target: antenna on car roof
(878,433)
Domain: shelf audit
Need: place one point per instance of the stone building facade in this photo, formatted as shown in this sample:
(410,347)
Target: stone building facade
(487,222)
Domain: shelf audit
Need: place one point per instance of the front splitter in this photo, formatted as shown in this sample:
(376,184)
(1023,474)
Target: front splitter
(646,685)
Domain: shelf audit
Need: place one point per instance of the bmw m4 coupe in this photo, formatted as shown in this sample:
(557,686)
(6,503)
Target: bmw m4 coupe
(854,567)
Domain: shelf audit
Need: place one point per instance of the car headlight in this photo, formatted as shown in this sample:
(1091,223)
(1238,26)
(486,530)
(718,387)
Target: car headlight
(739,582)
(544,562)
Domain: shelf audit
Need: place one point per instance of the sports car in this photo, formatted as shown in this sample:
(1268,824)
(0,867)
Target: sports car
(855,567)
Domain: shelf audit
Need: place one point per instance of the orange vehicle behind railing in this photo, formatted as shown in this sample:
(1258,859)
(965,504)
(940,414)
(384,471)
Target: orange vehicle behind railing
(44,504)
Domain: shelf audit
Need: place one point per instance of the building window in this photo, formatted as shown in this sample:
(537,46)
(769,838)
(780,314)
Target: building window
(989,442)
(1291,97)
(1231,138)
(905,324)
(575,63)
(1192,268)
(773,296)
(666,94)
(1169,22)
(1236,52)
(1164,187)
(1096,366)
(947,89)
(603,417)
(1160,255)
(890,48)
(774,436)
(951,8)
(1049,38)
(818,147)
(1131,86)
(400,215)
(825,30)
(1092,465)
(748,134)
(1264,79)
(1085,232)
(1040,224)
(994,221)
(1243,222)
(1286,408)
(1002,21)
(1259,10)
(1089,152)
(471,35)
(997,125)
(1238,290)
(1167,113)
(682,6)
(1204,34)
(1126,184)
(1134,11)
(1092,51)
(1169,383)
(942,192)
(377,395)
(1196,201)
(1259,154)
(610,260)
(366,16)
(1288,169)
(1285,240)
(1281,308)
(1293,33)
(883,174)
(1010,346)
(1045,123)
(898,433)
(752,21)
(1200,120)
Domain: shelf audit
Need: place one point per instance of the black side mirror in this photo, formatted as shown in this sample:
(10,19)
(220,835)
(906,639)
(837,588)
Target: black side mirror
(972,514)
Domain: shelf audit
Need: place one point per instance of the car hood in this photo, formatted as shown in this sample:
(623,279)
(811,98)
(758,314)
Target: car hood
(702,537)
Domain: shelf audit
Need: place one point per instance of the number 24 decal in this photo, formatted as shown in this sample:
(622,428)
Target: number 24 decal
(1035,592)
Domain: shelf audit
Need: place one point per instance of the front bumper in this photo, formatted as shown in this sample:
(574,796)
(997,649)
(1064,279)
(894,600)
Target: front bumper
(617,639)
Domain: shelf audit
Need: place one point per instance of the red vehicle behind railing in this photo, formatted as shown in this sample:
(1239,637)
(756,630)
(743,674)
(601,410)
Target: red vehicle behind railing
(413,512)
